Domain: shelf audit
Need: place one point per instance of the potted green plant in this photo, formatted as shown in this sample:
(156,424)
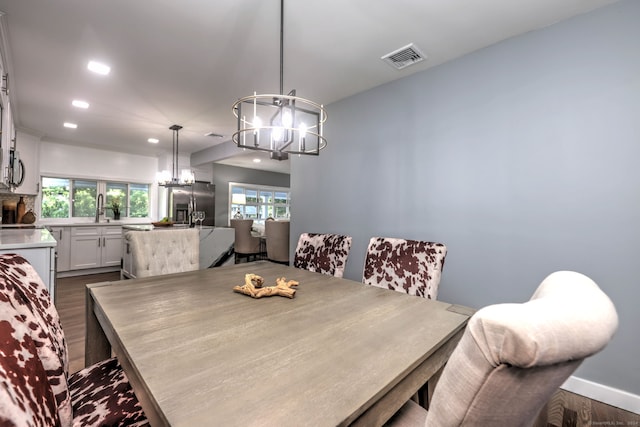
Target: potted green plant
(115,207)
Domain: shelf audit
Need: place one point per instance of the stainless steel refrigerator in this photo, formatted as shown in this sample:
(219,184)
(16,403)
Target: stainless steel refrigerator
(183,201)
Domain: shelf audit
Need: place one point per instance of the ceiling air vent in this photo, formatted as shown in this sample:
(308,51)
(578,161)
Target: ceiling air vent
(403,57)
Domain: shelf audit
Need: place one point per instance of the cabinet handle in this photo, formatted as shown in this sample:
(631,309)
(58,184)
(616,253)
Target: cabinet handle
(128,249)
(104,241)
(98,242)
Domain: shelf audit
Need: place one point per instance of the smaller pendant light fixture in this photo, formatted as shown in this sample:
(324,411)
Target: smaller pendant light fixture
(280,124)
(171,179)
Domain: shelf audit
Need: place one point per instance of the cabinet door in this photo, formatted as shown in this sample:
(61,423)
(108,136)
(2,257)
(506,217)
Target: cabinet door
(85,252)
(86,248)
(111,250)
(111,246)
(63,247)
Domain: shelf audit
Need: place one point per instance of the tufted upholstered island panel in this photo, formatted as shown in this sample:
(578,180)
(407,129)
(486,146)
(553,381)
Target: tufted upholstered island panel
(157,252)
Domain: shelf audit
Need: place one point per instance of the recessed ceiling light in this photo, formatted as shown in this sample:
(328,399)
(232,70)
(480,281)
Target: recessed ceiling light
(80,104)
(70,125)
(257,160)
(153,140)
(98,67)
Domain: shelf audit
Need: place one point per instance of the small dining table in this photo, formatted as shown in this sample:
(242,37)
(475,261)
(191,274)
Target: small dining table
(338,353)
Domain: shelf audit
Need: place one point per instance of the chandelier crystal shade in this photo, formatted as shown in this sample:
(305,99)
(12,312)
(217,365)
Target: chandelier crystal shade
(171,178)
(277,123)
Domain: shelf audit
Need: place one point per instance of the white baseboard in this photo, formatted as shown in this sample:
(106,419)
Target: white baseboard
(602,393)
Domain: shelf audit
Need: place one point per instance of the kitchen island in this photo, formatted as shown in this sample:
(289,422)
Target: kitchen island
(216,246)
(37,246)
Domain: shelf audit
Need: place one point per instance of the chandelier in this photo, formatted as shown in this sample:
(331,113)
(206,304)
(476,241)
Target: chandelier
(170,178)
(277,123)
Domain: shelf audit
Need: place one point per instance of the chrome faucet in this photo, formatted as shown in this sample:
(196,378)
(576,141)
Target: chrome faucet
(99,207)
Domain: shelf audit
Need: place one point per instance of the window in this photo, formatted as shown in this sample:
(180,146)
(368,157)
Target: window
(259,202)
(78,198)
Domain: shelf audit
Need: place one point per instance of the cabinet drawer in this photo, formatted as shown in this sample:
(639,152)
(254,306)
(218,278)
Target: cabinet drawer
(85,231)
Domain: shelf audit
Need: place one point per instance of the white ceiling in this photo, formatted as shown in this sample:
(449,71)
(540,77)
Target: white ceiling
(187,61)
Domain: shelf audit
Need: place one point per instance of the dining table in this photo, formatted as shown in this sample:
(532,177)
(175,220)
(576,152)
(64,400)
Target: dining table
(338,353)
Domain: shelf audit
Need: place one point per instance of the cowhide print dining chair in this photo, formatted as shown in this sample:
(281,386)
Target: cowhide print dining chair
(322,253)
(410,266)
(98,395)
(513,357)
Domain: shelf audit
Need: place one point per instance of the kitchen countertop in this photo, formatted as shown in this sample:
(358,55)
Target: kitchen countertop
(88,224)
(20,238)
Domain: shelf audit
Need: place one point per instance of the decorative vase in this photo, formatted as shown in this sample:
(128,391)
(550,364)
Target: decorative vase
(21,208)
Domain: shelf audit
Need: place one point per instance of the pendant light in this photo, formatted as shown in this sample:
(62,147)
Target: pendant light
(171,179)
(277,123)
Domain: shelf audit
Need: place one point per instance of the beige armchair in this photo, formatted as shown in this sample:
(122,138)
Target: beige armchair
(277,236)
(246,245)
(158,252)
(513,357)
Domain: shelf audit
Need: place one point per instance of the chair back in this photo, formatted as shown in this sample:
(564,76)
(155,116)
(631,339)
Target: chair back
(322,253)
(26,398)
(157,252)
(277,235)
(513,357)
(25,295)
(410,266)
(45,394)
(245,243)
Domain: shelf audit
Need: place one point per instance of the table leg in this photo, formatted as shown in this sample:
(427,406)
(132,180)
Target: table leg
(96,346)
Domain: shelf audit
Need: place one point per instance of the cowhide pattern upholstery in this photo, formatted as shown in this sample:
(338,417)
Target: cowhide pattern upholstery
(23,293)
(410,266)
(102,396)
(322,253)
(26,398)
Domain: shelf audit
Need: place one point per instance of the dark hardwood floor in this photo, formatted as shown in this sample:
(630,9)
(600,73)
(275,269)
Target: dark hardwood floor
(70,302)
(564,410)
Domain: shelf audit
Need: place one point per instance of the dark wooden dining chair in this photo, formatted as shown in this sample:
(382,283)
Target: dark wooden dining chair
(322,253)
(246,246)
(97,395)
(277,239)
(410,266)
(513,357)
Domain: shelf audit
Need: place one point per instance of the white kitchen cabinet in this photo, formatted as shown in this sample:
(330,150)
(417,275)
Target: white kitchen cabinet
(94,247)
(37,246)
(63,248)
(111,246)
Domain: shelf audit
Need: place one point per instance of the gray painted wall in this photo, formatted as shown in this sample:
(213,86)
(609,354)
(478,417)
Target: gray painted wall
(522,158)
(223,175)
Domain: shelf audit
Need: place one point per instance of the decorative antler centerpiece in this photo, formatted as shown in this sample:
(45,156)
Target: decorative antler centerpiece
(253,287)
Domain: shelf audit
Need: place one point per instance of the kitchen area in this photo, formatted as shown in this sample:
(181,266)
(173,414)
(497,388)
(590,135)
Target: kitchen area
(63,249)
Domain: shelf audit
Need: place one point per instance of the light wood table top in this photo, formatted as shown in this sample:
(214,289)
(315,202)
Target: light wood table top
(199,354)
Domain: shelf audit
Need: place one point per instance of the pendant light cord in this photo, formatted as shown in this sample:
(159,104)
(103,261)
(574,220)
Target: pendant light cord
(281,47)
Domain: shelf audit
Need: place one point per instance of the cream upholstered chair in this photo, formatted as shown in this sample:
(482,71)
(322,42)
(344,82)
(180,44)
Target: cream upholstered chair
(157,252)
(246,245)
(277,236)
(322,253)
(410,266)
(35,385)
(513,357)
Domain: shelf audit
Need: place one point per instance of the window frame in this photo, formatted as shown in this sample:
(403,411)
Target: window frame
(259,210)
(102,186)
